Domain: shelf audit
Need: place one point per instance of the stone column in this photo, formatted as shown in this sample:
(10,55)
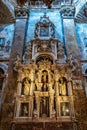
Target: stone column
(17,49)
(2,92)
(18,44)
(19,82)
(72,107)
(17,107)
(32,88)
(19,88)
(49,75)
(56,75)
(71,44)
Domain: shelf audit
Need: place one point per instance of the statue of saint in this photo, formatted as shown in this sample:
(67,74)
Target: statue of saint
(26,87)
(44,81)
(25,111)
(62,87)
(17,63)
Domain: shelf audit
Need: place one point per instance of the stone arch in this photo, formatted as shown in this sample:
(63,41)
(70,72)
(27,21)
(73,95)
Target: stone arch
(84,68)
(4,67)
(3,72)
(44,57)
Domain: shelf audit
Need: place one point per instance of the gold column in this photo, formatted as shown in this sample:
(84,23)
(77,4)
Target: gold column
(51,108)
(56,91)
(19,88)
(32,76)
(37,96)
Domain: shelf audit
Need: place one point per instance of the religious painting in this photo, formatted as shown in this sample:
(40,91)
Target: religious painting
(24,111)
(44,31)
(65,108)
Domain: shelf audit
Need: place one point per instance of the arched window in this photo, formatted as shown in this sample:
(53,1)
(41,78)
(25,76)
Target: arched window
(2,76)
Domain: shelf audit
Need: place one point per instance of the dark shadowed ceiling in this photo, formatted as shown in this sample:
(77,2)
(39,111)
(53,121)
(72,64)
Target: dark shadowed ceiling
(7,10)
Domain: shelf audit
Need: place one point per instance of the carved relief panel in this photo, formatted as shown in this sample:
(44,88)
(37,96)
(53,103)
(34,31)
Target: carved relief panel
(44,47)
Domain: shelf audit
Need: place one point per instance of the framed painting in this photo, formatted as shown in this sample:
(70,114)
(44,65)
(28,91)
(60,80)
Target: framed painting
(44,31)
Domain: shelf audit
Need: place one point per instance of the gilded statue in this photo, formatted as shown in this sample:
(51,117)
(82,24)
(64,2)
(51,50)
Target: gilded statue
(26,87)
(44,81)
(62,87)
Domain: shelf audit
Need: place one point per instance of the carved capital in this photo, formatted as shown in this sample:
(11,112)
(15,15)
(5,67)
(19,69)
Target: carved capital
(67,11)
(21,12)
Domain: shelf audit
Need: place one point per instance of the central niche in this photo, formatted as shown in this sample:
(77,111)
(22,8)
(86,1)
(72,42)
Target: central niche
(44,81)
(44,107)
(44,58)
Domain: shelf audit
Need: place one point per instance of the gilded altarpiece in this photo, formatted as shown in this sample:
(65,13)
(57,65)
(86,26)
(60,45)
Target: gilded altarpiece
(46,78)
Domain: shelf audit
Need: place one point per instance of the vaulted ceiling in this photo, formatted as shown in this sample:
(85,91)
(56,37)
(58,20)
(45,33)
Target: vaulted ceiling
(7,11)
